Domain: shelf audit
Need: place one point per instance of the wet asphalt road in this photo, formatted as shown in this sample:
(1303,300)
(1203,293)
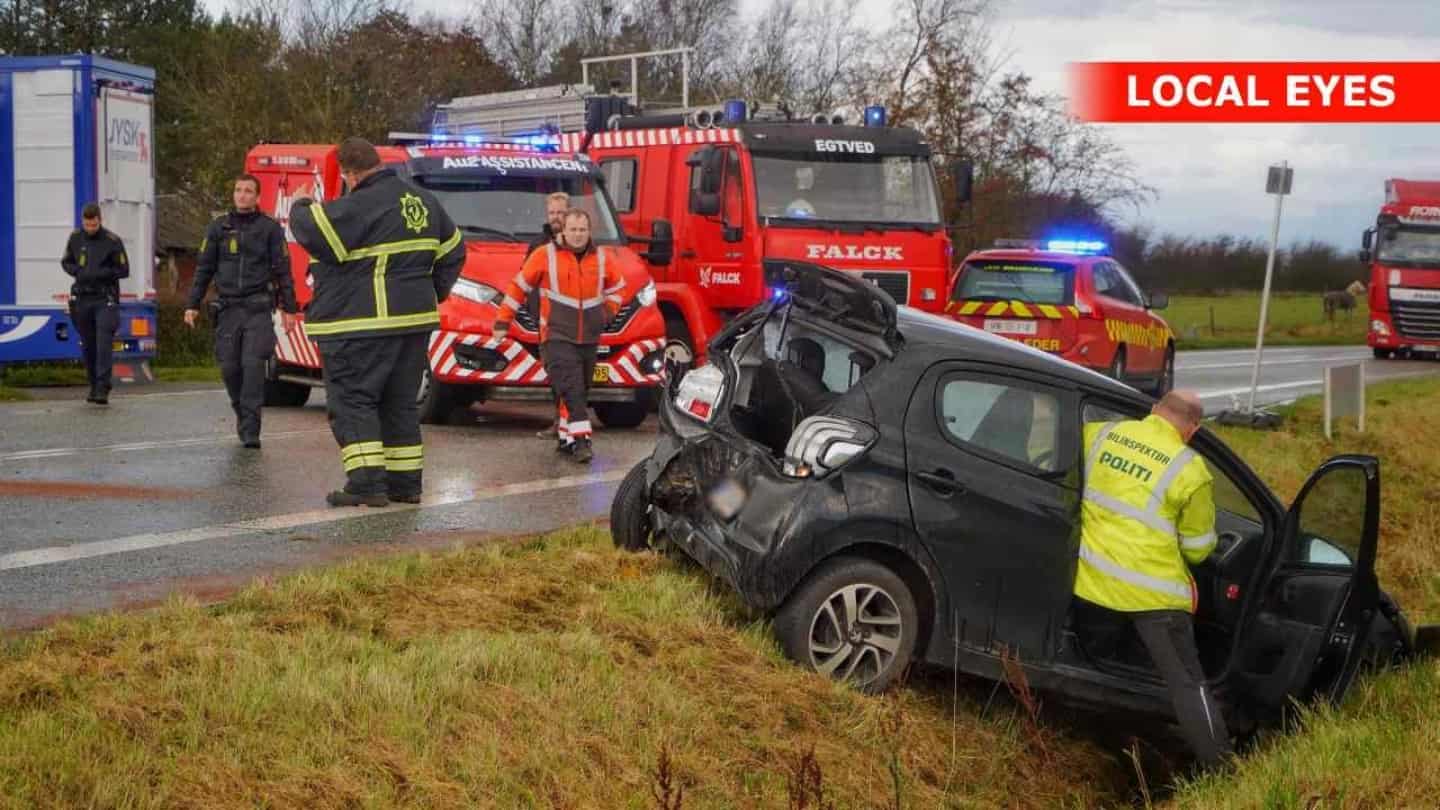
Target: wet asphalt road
(110,507)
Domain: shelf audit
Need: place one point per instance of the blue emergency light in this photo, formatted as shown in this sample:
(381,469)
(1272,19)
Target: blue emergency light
(1075,246)
(735,111)
(875,116)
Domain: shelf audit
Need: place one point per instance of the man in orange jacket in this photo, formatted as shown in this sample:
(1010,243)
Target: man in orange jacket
(579,294)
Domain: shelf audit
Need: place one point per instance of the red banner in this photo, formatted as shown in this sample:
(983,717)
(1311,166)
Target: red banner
(1256,92)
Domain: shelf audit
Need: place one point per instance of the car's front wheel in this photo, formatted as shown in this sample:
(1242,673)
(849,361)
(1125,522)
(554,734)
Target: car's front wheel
(630,525)
(854,620)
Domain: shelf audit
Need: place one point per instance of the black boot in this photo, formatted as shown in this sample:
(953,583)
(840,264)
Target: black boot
(342,498)
(583,452)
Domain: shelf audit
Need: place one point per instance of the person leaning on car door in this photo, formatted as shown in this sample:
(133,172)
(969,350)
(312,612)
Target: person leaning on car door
(1147,511)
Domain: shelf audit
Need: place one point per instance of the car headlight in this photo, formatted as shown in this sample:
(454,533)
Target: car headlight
(646,296)
(1378,327)
(475,291)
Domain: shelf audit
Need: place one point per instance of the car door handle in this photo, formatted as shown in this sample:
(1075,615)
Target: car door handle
(942,481)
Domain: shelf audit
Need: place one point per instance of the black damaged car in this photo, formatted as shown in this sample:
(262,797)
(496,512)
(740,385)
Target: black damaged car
(896,487)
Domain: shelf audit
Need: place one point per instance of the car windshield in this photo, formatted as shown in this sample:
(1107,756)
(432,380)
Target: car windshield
(1029,281)
(1409,246)
(885,189)
(511,208)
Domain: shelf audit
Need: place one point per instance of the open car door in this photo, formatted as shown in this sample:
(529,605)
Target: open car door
(1320,595)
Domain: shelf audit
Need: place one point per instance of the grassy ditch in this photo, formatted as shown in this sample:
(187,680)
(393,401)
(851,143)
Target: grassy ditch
(1229,321)
(555,672)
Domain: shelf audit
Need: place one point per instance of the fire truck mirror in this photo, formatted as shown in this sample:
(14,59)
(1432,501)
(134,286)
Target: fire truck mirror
(1367,239)
(662,243)
(704,204)
(1364,256)
(962,177)
(732,233)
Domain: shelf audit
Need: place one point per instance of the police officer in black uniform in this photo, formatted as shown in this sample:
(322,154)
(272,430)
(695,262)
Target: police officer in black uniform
(385,254)
(245,254)
(96,259)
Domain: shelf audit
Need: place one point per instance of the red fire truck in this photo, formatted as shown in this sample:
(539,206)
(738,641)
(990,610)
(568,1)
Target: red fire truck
(721,192)
(1403,252)
(496,193)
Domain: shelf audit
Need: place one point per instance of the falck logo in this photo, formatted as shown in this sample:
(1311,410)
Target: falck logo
(710,278)
(416,215)
(867,253)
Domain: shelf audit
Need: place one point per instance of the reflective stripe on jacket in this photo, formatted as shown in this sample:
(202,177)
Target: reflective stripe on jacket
(384,255)
(1148,509)
(577,296)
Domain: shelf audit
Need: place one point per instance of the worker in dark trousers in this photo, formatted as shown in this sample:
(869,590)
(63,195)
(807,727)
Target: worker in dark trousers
(579,294)
(245,254)
(556,204)
(385,254)
(96,259)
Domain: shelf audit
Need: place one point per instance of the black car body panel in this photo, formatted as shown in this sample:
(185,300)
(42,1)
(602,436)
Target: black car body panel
(984,533)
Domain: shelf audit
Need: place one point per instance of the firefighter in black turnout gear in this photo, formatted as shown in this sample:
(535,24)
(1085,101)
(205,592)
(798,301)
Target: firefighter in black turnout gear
(384,255)
(96,259)
(245,254)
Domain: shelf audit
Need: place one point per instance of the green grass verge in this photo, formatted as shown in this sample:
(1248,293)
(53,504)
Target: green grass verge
(554,672)
(1294,319)
(8,394)
(34,375)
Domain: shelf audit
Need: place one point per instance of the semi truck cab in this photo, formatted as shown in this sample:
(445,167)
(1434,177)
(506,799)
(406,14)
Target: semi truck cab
(1403,253)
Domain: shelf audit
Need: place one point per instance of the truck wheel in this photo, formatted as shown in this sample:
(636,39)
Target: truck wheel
(620,414)
(282,394)
(630,526)
(854,620)
(1117,366)
(1384,354)
(1166,381)
(436,400)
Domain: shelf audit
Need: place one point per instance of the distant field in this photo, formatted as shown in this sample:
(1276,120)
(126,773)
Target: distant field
(1295,319)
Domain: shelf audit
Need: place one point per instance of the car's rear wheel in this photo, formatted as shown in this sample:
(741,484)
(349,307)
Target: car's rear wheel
(854,620)
(630,525)
(1166,380)
(620,414)
(1117,366)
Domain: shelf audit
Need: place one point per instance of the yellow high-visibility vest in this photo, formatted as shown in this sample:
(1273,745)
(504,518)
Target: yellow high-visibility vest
(1148,509)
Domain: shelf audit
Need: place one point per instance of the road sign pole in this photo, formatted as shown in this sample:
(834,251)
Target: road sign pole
(1279,185)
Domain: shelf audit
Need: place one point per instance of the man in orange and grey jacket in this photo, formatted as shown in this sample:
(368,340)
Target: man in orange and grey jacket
(579,294)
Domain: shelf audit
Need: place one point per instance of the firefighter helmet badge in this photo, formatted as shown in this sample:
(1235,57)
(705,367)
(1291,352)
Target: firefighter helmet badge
(416,215)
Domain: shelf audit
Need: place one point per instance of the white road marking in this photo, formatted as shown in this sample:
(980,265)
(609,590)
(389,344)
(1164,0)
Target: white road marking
(1268,363)
(276,523)
(56,452)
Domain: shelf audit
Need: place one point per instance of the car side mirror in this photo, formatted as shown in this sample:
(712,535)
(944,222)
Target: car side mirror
(662,243)
(962,177)
(1159,300)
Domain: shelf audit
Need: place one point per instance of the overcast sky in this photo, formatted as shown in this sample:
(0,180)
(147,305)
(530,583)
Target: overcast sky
(1211,178)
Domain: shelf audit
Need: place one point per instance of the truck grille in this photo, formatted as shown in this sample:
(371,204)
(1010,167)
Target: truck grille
(895,283)
(1417,319)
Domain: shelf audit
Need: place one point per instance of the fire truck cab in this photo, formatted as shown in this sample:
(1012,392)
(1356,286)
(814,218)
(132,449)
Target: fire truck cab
(495,193)
(715,193)
(1403,253)
(1069,298)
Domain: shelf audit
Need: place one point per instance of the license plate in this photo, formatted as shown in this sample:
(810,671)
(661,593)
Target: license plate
(601,375)
(1009,327)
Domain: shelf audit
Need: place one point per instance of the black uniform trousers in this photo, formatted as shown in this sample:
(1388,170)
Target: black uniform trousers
(96,318)
(244,344)
(570,367)
(1169,637)
(370,388)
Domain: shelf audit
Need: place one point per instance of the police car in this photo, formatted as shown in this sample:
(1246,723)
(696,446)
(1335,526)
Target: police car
(895,487)
(1068,297)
